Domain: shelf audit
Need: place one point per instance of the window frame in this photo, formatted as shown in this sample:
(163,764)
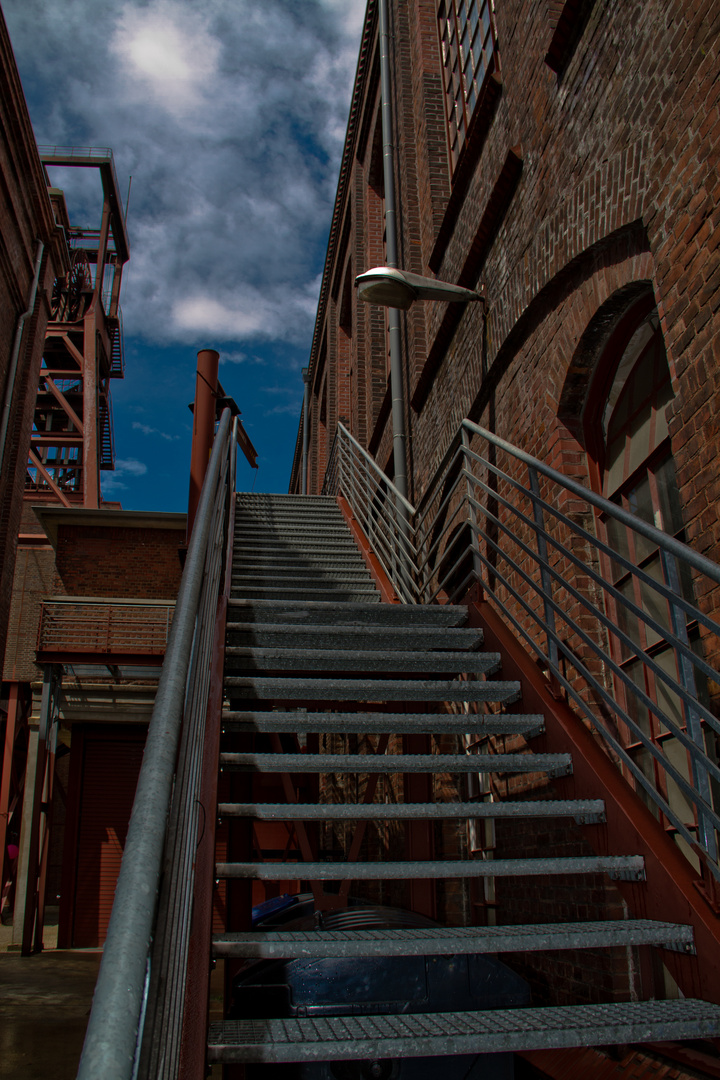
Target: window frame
(457,57)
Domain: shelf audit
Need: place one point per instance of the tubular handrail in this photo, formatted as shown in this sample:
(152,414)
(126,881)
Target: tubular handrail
(650,532)
(613,635)
(114,1033)
(384,514)
(629,645)
(372,464)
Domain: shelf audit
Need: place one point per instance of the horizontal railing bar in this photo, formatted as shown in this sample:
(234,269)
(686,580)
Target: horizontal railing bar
(657,586)
(362,510)
(608,735)
(441,471)
(635,650)
(657,536)
(441,535)
(656,752)
(375,467)
(422,515)
(617,670)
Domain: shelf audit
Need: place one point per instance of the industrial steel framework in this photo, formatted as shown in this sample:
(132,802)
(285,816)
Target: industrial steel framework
(72,437)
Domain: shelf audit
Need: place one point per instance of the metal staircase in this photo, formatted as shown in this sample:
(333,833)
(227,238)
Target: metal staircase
(388,671)
(280,647)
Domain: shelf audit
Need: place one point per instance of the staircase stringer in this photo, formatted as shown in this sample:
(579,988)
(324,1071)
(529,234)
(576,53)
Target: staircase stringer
(385,587)
(672,890)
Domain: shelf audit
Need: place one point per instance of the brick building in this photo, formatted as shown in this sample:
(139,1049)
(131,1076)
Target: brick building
(578,185)
(561,160)
(35,254)
(89,623)
(86,606)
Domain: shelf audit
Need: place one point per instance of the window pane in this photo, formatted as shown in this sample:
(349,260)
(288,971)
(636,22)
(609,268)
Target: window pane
(670,511)
(627,621)
(667,699)
(636,709)
(618,540)
(640,504)
(653,603)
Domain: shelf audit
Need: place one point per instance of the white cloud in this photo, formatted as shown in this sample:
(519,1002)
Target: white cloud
(147,430)
(130,467)
(291,408)
(230,118)
(165,50)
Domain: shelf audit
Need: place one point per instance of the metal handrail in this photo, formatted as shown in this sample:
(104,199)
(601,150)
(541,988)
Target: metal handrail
(550,577)
(383,512)
(133,964)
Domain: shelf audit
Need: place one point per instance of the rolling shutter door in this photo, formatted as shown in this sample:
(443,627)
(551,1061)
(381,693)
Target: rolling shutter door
(110,771)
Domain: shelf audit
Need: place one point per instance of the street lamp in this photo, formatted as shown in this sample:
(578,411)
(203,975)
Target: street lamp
(390,287)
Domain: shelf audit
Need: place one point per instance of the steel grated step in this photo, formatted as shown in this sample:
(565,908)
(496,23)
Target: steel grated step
(357,637)
(320,689)
(583,811)
(366,660)
(310,612)
(624,867)
(442,941)
(294,592)
(553,764)
(351,1038)
(382,723)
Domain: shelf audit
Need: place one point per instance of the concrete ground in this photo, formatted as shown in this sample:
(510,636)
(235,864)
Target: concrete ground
(44,1005)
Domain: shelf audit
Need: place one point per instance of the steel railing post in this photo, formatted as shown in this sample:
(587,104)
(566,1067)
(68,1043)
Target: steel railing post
(471,511)
(545,576)
(686,673)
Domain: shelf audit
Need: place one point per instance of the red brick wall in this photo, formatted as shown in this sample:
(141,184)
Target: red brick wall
(128,562)
(89,560)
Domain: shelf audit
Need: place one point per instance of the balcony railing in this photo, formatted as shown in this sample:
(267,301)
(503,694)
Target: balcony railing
(87,628)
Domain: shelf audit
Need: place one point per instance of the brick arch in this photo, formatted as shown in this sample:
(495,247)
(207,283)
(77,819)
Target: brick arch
(591,347)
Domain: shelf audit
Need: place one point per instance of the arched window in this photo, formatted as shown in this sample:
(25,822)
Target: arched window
(631,463)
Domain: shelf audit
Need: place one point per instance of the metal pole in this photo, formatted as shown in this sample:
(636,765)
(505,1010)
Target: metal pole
(203,427)
(391,257)
(306,433)
(112,1033)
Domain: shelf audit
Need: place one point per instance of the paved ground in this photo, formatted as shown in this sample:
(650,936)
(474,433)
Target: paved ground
(44,1006)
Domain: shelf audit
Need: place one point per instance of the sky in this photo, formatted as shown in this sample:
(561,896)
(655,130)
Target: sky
(230,118)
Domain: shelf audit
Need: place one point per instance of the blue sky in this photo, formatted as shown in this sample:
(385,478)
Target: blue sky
(230,117)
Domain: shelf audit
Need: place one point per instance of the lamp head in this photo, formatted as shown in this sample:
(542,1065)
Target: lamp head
(386,286)
(390,287)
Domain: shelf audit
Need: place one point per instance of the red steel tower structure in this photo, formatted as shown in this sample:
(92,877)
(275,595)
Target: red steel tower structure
(72,437)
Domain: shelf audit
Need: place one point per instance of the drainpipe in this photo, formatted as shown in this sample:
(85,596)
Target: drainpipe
(12,367)
(391,258)
(206,379)
(306,433)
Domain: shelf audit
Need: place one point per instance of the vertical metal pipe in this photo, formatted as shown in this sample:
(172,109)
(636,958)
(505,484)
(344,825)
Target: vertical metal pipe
(203,427)
(693,722)
(471,513)
(12,366)
(391,257)
(544,564)
(306,433)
